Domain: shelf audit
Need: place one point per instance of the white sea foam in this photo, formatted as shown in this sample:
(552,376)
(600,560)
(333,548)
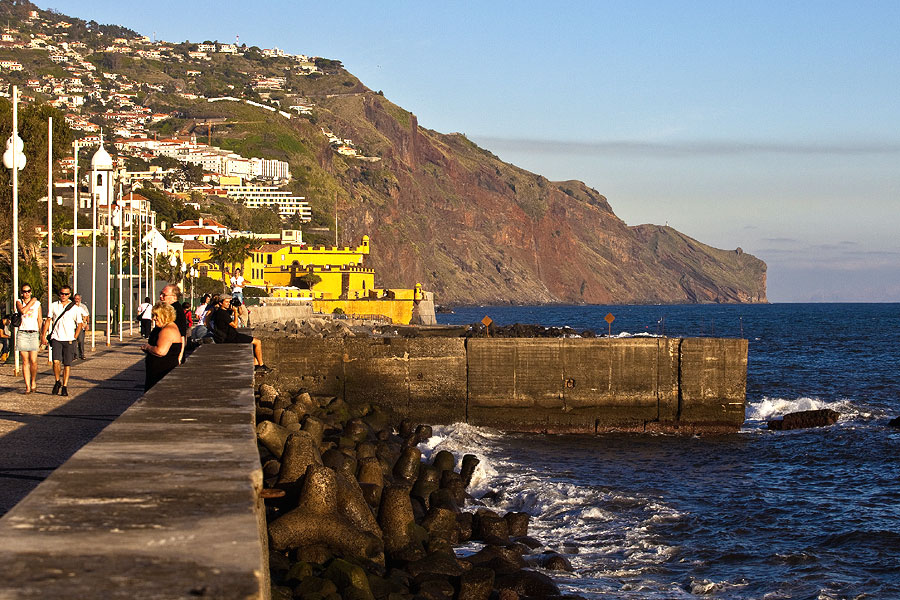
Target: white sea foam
(611,530)
(774,408)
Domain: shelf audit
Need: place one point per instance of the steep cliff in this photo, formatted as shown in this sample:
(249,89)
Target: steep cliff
(446,213)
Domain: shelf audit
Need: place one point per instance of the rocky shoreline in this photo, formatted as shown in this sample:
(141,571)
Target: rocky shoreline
(326,326)
(354,511)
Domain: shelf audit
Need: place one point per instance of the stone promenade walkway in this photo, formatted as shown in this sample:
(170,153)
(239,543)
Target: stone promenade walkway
(39,432)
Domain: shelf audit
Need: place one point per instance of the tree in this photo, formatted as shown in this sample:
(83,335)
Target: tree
(309,280)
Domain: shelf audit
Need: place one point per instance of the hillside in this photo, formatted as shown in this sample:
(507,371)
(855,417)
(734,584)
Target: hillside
(439,209)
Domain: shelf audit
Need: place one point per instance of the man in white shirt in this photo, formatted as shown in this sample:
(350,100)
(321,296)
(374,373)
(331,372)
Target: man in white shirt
(237,286)
(64,324)
(85,319)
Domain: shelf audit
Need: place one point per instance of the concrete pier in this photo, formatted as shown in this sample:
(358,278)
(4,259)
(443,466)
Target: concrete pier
(685,385)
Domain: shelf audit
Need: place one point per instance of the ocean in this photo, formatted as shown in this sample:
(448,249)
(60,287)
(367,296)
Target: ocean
(756,514)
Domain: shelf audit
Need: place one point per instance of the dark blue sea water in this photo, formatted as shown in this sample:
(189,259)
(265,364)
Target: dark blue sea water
(756,514)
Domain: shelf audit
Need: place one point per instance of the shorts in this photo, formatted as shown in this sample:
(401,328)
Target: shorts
(27,341)
(64,351)
(240,338)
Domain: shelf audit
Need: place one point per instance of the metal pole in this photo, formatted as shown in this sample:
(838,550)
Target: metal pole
(140,250)
(93,271)
(109,194)
(50,222)
(131,262)
(75,199)
(15,215)
(120,257)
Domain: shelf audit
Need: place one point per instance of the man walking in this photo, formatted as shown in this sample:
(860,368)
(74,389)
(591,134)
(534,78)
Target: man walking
(85,319)
(64,325)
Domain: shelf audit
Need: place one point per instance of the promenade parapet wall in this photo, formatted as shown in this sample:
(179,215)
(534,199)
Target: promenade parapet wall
(163,503)
(688,385)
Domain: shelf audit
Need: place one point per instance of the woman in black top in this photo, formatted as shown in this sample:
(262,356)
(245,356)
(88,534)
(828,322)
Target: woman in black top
(163,347)
(225,332)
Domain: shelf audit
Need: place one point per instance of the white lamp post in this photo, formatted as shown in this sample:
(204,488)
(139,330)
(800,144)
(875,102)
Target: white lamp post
(75,199)
(117,223)
(193,277)
(14,159)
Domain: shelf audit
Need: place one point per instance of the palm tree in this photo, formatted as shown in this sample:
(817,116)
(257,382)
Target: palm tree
(220,253)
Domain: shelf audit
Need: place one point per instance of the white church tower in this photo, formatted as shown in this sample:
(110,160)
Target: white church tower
(101,178)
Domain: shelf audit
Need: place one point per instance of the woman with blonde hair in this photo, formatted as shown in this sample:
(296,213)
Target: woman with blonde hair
(164,345)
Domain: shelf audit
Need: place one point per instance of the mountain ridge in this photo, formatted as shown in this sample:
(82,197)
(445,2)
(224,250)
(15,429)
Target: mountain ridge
(439,209)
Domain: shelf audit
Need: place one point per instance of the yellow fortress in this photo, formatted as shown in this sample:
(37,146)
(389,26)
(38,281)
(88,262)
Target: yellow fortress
(289,271)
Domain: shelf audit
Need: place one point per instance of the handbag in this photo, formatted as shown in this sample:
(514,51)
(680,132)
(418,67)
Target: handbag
(15,319)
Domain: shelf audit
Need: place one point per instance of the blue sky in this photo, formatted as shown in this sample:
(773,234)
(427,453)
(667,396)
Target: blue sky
(773,126)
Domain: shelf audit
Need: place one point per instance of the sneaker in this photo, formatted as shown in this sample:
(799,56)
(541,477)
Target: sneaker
(261,369)
(56,387)
(63,391)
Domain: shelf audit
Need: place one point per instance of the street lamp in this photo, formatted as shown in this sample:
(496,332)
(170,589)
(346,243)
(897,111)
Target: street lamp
(193,277)
(14,159)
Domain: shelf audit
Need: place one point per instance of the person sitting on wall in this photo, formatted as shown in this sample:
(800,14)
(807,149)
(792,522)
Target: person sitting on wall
(164,346)
(225,332)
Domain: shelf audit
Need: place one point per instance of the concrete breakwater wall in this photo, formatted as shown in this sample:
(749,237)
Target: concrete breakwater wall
(688,385)
(163,503)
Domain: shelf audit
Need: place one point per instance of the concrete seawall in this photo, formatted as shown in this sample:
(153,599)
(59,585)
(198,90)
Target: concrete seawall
(689,385)
(163,503)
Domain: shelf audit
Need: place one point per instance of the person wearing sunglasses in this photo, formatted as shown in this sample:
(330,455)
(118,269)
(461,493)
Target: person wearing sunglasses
(64,324)
(27,339)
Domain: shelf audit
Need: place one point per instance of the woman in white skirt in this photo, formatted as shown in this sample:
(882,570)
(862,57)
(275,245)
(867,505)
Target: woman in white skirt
(28,338)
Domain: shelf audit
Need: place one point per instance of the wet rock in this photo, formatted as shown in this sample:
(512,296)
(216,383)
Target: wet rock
(464,522)
(407,466)
(371,494)
(314,427)
(267,395)
(441,523)
(350,579)
(271,468)
(476,584)
(491,529)
(406,428)
(273,437)
(423,432)
(453,484)
(805,419)
(439,563)
(322,517)
(444,461)
(436,589)
(551,561)
(529,541)
(365,450)
(528,583)
(498,558)
(517,523)
(443,499)
(427,482)
(300,451)
(396,519)
(315,585)
(469,463)
(895,422)
(369,471)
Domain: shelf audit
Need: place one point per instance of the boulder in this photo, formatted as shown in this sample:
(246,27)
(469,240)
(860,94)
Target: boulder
(895,422)
(273,437)
(407,466)
(323,517)
(267,395)
(469,462)
(528,584)
(300,451)
(476,584)
(804,419)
